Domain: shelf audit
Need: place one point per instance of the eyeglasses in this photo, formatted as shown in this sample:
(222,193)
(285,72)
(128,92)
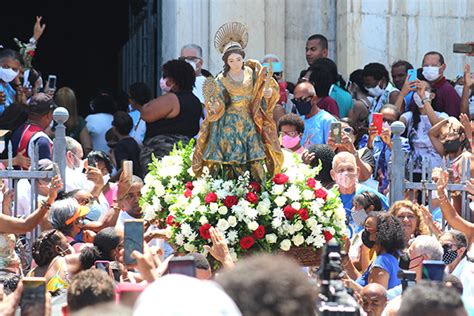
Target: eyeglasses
(277,74)
(302,99)
(291,134)
(409,217)
(348,130)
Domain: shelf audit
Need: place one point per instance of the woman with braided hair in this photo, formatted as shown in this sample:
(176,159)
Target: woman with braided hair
(52,253)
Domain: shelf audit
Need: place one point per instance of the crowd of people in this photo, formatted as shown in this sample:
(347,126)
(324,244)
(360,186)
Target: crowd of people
(82,222)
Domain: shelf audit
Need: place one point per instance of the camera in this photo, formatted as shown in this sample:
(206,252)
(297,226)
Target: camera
(334,297)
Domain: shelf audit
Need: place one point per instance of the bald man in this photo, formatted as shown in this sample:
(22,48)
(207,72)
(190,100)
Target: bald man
(345,173)
(374,299)
(317,122)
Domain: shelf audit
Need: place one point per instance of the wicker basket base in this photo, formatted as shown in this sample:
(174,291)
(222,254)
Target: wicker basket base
(306,257)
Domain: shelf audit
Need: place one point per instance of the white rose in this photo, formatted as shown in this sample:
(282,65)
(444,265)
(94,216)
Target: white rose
(271,238)
(296,205)
(276,223)
(222,224)
(311,222)
(298,226)
(232,220)
(203,220)
(233,255)
(213,207)
(179,239)
(308,195)
(278,189)
(280,201)
(298,240)
(285,245)
(223,210)
(252,226)
(202,209)
(189,247)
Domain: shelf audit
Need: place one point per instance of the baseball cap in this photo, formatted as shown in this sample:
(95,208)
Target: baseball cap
(41,103)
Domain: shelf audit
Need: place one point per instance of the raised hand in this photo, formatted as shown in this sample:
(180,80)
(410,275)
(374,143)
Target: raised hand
(55,185)
(21,160)
(38,29)
(219,249)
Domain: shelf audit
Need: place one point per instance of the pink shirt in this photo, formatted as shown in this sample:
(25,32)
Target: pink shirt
(111,194)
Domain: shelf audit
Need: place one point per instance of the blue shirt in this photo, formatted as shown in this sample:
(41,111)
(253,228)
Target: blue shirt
(343,99)
(317,128)
(386,262)
(9,96)
(382,155)
(347,203)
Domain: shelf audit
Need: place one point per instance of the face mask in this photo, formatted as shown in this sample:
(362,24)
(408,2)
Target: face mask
(459,88)
(452,146)
(359,217)
(366,239)
(164,86)
(290,142)
(412,260)
(418,100)
(303,107)
(431,73)
(375,91)
(7,74)
(345,181)
(106,178)
(449,255)
(192,63)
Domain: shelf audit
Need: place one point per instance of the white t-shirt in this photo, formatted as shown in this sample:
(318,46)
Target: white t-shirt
(197,90)
(23,189)
(123,216)
(419,139)
(464,271)
(97,125)
(139,127)
(76,180)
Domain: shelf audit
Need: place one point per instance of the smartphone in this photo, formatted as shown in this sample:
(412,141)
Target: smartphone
(411,74)
(336,132)
(133,231)
(433,270)
(33,298)
(182,265)
(115,268)
(127,169)
(104,266)
(56,170)
(127,293)
(52,82)
(462,48)
(92,162)
(407,278)
(377,120)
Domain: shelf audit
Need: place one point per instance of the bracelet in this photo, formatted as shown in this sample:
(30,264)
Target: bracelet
(425,100)
(45,205)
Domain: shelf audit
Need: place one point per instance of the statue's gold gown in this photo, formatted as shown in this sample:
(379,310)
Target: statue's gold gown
(239,133)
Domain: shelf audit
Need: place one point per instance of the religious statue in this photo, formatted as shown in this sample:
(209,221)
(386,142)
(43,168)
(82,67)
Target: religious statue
(239,133)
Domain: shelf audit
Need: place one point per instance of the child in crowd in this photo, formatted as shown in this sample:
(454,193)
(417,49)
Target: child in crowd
(291,128)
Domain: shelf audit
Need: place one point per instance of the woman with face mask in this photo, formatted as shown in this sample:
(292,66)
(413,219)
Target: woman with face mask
(291,128)
(363,204)
(418,121)
(377,83)
(411,217)
(384,234)
(173,117)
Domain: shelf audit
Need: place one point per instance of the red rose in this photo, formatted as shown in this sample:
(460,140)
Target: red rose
(303,213)
(321,193)
(280,178)
(169,220)
(259,233)
(255,186)
(327,235)
(210,198)
(31,53)
(188,193)
(230,201)
(247,242)
(289,212)
(311,183)
(189,185)
(204,231)
(252,198)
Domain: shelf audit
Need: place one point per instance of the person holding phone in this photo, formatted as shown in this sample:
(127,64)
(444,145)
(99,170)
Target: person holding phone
(418,121)
(381,144)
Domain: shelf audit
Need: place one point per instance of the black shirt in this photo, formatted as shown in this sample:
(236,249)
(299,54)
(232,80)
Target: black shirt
(187,121)
(128,149)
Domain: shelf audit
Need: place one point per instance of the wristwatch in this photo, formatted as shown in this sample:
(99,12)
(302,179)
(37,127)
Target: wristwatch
(426,100)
